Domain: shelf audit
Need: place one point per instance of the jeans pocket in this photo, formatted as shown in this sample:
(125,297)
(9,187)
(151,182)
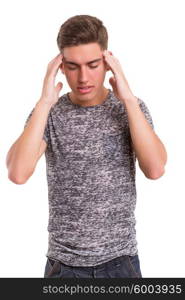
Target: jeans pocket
(134,264)
(52,268)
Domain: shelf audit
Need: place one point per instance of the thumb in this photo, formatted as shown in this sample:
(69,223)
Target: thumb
(59,86)
(112,81)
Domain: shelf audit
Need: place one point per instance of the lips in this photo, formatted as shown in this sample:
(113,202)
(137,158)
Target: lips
(85,89)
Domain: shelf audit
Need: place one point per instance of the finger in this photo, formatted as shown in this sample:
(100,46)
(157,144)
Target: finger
(105,58)
(60,55)
(59,87)
(54,65)
(104,53)
(56,68)
(107,53)
(58,59)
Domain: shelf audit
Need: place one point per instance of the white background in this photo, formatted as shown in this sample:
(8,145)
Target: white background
(147,36)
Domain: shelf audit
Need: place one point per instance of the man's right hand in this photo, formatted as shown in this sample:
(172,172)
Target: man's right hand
(50,92)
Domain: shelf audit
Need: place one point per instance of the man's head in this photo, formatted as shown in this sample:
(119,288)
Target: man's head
(82,29)
(82,40)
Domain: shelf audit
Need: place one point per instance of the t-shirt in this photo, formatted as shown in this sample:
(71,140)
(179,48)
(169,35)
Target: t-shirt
(90,166)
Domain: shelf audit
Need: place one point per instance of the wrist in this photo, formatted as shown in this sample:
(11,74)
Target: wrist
(44,104)
(130,100)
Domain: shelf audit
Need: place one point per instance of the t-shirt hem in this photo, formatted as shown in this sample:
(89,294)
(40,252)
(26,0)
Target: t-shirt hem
(91,263)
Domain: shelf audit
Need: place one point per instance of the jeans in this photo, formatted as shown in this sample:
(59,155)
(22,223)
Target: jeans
(121,267)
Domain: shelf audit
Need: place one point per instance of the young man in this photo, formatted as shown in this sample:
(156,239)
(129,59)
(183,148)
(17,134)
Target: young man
(91,137)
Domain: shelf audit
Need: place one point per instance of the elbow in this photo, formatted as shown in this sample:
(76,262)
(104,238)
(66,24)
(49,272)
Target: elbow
(156,169)
(156,174)
(17,179)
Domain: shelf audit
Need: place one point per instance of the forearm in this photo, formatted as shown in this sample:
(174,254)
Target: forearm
(149,149)
(22,156)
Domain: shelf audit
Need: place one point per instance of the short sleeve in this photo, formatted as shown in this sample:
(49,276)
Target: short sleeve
(146,112)
(46,135)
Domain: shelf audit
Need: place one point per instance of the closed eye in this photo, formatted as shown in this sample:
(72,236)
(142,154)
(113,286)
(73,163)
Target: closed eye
(91,67)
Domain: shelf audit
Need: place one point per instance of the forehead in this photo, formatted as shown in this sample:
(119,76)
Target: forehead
(83,53)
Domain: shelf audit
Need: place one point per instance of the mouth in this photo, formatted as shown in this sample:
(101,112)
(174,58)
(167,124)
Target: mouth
(85,89)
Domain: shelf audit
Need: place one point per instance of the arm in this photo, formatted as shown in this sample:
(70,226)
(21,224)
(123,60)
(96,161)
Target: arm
(150,151)
(24,153)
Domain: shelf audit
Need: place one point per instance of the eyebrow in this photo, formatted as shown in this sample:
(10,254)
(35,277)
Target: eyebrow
(73,63)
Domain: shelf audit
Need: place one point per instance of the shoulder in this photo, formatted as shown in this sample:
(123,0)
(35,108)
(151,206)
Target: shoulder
(61,103)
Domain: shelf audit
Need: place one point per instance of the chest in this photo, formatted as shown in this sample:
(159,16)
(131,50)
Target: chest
(90,135)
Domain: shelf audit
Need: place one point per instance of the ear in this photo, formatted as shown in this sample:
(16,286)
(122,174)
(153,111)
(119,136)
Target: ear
(106,64)
(62,68)
(107,67)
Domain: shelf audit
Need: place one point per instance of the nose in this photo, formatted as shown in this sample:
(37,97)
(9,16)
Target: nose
(83,75)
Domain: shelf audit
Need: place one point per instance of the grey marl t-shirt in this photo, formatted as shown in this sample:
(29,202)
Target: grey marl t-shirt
(90,166)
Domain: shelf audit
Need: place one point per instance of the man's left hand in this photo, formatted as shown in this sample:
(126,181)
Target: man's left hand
(118,82)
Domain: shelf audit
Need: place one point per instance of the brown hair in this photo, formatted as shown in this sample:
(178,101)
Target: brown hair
(82,29)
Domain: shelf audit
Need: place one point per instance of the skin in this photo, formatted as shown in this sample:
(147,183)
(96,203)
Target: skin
(84,65)
(149,149)
(50,92)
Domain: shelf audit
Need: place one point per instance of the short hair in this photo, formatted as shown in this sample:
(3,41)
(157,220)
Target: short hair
(82,29)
